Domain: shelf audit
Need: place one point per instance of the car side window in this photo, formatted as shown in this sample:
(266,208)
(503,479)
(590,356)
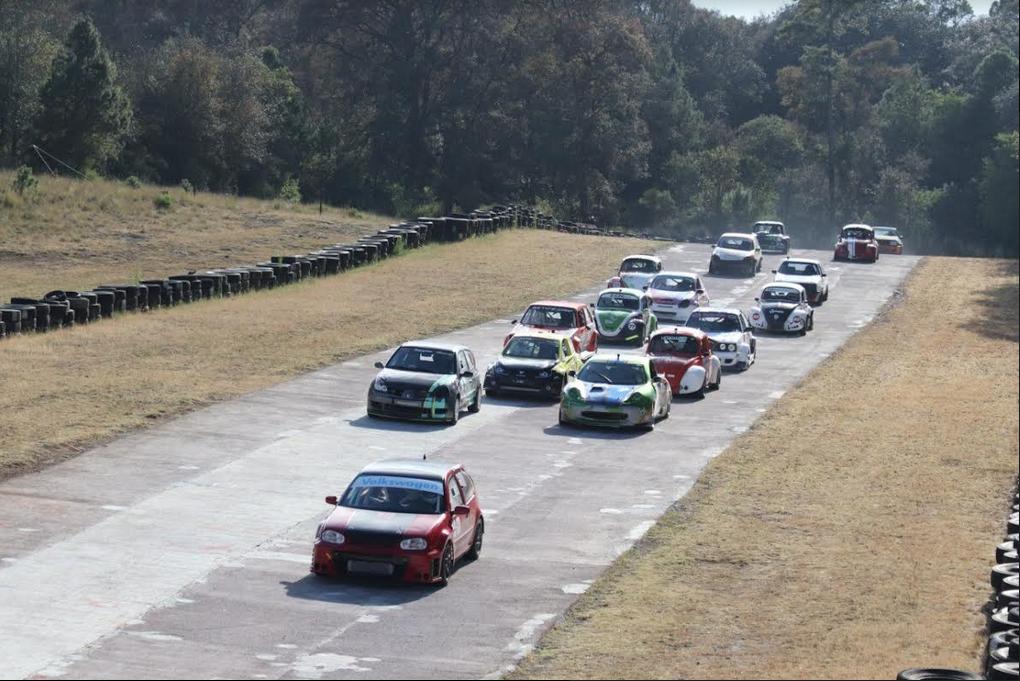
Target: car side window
(744,326)
(467,485)
(455,497)
(470,356)
(565,349)
(462,364)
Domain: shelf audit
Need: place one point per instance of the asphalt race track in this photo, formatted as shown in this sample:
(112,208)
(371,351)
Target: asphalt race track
(183,550)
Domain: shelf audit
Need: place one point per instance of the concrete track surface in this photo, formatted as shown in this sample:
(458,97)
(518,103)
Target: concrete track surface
(182,551)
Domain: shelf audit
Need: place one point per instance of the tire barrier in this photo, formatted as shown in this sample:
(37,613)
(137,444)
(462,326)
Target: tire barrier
(64,309)
(1003,645)
(934,674)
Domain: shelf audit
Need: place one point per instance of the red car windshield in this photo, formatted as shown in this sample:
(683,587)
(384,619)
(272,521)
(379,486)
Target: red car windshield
(550,317)
(857,234)
(395,494)
(673,345)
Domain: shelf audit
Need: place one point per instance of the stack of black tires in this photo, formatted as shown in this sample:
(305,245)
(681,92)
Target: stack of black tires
(1003,649)
(63,309)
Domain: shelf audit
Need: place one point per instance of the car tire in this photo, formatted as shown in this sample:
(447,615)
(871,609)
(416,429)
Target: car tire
(474,553)
(476,405)
(718,381)
(456,411)
(446,564)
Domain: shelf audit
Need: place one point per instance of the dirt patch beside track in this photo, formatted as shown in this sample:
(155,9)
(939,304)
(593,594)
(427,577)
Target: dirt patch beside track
(850,533)
(61,390)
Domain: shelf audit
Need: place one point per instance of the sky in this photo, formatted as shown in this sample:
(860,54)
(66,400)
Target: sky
(749,9)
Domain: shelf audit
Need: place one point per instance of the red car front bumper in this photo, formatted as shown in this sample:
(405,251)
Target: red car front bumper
(891,248)
(340,560)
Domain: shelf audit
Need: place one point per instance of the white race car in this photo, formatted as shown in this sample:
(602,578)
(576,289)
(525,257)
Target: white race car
(784,308)
(733,341)
(736,252)
(808,273)
(675,295)
(636,271)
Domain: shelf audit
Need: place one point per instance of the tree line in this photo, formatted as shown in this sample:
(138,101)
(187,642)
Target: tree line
(652,114)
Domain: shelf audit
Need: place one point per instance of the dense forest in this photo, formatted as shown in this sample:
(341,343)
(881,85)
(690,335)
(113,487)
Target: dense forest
(651,114)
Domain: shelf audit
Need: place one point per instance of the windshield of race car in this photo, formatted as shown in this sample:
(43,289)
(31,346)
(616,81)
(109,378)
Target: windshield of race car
(781,294)
(673,345)
(674,284)
(766,228)
(423,360)
(886,231)
(550,317)
(736,243)
(618,301)
(855,233)
(395,494)
(532,348)
(800,269)
(613,373)
(714,322)
(637,265)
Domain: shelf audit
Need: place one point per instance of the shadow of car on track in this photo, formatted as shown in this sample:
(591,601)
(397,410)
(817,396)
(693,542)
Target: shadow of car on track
(399,425)
(559,430)
(366,591)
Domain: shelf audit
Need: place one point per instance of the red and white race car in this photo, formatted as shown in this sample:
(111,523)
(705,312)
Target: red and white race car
(856,243)
(684,356)
(561,316)
(407,519)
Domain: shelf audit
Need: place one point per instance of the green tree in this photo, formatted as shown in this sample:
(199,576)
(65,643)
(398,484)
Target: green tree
(999,179)
(86,115)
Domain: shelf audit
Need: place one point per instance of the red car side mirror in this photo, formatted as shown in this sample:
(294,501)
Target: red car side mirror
(331,501)
(462,510)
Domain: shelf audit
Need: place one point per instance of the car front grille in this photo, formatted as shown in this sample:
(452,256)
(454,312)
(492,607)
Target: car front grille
(407,391)
(603,416)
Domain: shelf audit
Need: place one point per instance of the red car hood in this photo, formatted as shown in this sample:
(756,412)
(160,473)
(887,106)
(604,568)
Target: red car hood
(357,520)
(530,327)
(673,367)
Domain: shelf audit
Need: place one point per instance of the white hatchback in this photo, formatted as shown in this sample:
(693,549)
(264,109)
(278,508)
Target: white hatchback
(675,295)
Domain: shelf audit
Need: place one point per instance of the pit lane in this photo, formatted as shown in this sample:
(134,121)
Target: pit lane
(183,550)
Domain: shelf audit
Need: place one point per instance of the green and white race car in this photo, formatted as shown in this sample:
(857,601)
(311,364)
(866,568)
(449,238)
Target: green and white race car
(618,391)
(624,315)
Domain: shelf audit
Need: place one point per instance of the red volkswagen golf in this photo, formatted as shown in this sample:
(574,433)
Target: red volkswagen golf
(408,519)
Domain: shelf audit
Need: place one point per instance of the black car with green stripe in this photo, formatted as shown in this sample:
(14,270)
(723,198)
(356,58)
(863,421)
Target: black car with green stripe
(424,381)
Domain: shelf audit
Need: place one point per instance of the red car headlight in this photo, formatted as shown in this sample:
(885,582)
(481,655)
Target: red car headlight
(331,537)
(414,544)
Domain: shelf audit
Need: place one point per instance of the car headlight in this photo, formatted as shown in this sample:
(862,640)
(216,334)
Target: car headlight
(414,544)
(379,385)
(331,537)
(441,393)
(573,394)
(632,325)
(635,399)
(500,371)
(544,374)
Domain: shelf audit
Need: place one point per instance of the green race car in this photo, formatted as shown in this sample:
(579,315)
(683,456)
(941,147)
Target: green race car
(624,315)
(618,391)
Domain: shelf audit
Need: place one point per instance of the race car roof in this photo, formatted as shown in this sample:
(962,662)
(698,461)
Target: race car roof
(688,275)
(784,284)
(643,256)
(432,345)
(412,467)
(678,330)
(739,235)
(632,291)
(572,304)
(858,226)
(806,261)
(717,310)
(618,357)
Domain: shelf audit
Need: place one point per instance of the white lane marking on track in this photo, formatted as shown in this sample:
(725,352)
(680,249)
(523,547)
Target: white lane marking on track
(27,529)
(575,441)
(287,646)
(368,619)
(154,636)
(279,555)
(653,492)
(316,665)
(266,657)
(522,643)
(610,511)
(776,394)
(188,467)
(576,589)
(638,531)
(113,507)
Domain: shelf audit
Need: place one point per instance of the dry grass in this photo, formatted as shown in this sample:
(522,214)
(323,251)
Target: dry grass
(849,534)
(75,235)
(61,390)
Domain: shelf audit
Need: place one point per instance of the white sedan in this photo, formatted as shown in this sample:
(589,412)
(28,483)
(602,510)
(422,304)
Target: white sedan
(809,274)
(736,253)
(733,340)
(784,308)
(675,295)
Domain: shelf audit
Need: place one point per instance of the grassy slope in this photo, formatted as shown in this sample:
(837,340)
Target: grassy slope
(76,235)
(850,533)
(61,390)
